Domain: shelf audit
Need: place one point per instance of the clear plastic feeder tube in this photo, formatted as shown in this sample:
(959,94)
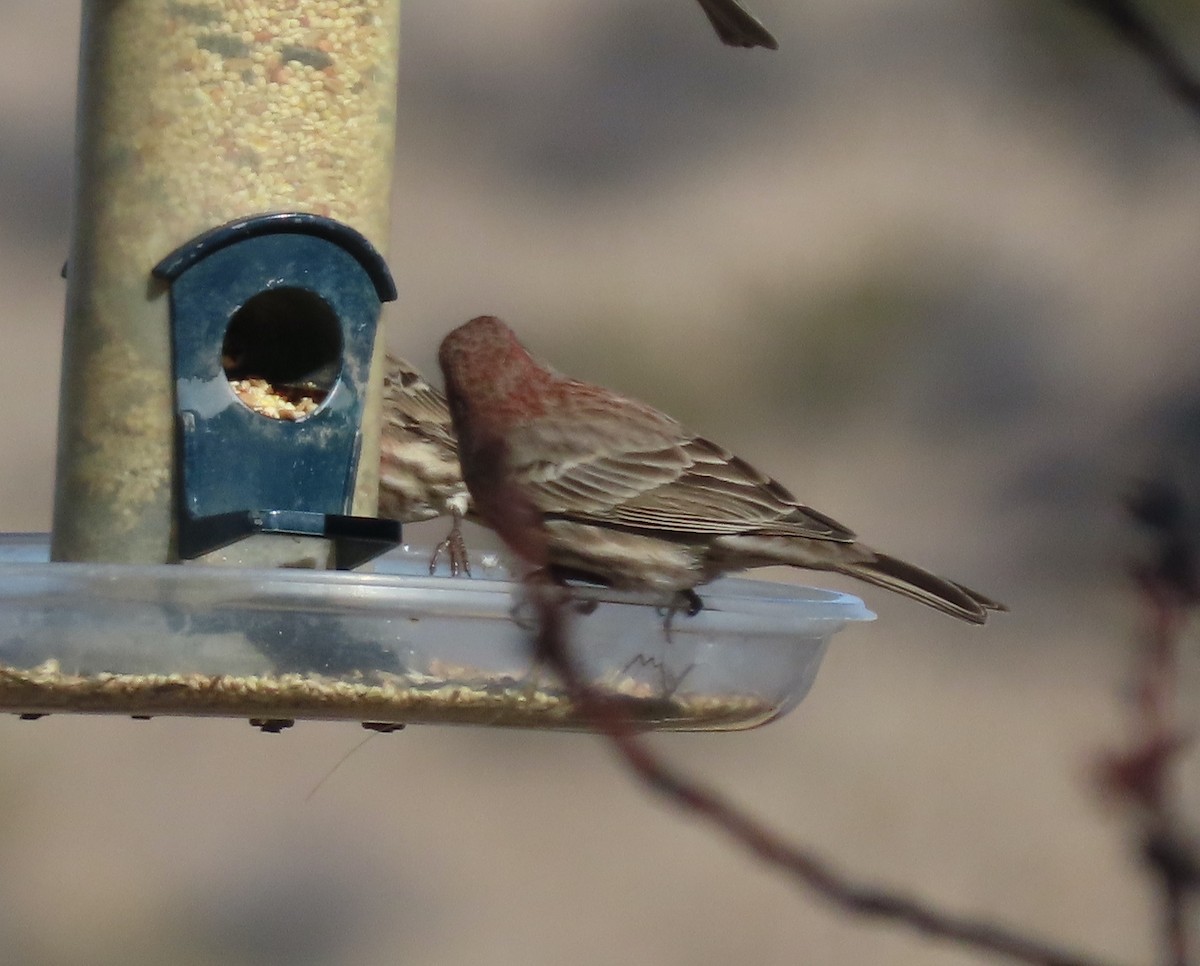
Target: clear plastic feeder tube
(192,113)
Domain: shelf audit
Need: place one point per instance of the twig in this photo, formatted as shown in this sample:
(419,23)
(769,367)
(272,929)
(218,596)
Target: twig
(512,515)
(1163,848)
(1142,775)
(1164,851)
(1135,30)
(803,865)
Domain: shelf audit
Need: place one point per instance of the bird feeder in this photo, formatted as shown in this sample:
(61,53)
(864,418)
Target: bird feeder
(219,425)
(293,299)
(193,115)
(391,647)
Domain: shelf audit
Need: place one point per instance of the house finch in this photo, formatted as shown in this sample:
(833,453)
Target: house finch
(604,488)
(736,26)
(419,478)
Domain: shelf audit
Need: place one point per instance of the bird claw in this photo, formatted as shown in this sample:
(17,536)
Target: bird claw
(455,548)
(687,601)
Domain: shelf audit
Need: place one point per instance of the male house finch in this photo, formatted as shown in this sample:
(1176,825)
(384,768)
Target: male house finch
(419,478)
(623,495)
(736,26)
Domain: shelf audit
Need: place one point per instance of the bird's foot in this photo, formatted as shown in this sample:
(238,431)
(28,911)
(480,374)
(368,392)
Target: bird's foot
(455,547)
(687,601)
(692,602)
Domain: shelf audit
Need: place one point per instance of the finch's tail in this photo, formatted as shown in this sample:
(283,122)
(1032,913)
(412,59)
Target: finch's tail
(856,560)
(736,26)
(912,581)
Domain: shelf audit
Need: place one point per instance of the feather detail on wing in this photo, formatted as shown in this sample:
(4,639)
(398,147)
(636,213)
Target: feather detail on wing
(415,407)
(718,493)
(645,472)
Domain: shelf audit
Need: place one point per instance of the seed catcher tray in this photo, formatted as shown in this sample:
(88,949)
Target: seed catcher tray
(391,647)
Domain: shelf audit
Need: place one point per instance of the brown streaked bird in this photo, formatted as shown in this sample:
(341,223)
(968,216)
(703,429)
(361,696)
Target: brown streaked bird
(736,26)
(625,496)
(419,477)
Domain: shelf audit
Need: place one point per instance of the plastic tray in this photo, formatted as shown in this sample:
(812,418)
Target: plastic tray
(393,646)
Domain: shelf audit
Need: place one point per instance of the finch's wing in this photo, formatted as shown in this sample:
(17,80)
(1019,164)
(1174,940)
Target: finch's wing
(719,493)
(416,407)
(616,462)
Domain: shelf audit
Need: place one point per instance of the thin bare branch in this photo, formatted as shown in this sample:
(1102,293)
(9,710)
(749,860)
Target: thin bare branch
(804,866)
(509,511)
(1134,29)
(1142,776)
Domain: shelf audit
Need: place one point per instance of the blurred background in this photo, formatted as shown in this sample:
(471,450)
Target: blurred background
(932,264)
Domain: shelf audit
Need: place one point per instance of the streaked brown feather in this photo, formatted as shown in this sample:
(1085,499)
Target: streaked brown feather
(419,475)
(650,474)
(413,406)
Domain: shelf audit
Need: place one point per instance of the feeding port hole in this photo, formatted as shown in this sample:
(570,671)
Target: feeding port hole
(282,353)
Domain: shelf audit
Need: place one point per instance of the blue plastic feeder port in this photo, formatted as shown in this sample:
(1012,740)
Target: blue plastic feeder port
(292,301)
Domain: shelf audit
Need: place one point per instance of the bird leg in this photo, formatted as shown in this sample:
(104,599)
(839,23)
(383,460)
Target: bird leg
(687,601)
(455,548)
